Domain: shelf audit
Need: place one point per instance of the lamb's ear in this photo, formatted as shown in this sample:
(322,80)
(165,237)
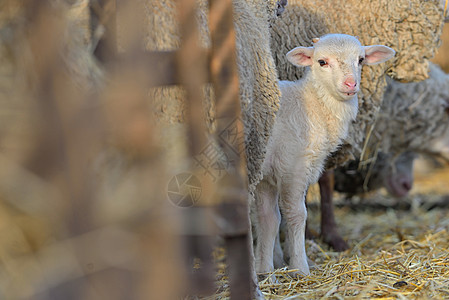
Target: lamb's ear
(300,56)
(377,54)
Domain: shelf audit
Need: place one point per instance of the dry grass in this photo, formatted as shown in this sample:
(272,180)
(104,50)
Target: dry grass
(402,254)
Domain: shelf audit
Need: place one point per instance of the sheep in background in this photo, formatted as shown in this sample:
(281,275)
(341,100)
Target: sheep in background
(411,27)
(412,115)
(313,118)
(411,118)
(394,172)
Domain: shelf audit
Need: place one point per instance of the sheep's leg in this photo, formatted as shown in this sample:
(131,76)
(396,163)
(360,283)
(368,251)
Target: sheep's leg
(267,227)
(329,230)
(310,235)
(255,290)
(279,261)
(294,211)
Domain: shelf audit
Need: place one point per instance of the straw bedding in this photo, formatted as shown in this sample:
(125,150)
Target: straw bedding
(394,254)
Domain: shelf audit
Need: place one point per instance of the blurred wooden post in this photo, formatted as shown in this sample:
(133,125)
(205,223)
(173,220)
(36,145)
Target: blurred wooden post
(189,68)
(71,135)
(233,187)
(139,71)
(192,74)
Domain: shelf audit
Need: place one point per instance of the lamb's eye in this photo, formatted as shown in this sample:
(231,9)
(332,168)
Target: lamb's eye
(322,62)
(361,59)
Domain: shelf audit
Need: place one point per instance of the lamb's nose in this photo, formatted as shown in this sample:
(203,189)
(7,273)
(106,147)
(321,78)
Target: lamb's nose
(350,82)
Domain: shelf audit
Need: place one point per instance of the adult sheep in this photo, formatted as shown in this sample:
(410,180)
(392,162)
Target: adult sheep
(393,172)
(419,110)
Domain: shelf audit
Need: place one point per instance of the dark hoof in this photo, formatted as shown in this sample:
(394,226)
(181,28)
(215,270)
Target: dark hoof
(336,242)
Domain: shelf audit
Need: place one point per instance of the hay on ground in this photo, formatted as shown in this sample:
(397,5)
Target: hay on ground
(394,254)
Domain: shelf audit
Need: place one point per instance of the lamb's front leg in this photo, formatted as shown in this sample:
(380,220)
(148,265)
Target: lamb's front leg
(267,225)
(292,204)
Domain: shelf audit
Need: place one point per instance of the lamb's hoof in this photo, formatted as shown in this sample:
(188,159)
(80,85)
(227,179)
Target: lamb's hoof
(257,293)
(268,278)
(297,274)
(336,242)
(312,264)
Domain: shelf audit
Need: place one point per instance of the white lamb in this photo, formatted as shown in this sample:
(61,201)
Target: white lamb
(313,118)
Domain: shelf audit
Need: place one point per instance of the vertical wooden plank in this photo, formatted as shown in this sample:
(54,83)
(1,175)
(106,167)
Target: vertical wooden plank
(65,145)
(191,73)
(162,262)
(233,188)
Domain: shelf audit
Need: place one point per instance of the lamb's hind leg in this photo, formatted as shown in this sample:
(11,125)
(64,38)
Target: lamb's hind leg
(278,258)
(292,204)
(267,225)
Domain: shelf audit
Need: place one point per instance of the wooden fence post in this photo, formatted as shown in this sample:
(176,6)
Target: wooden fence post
(233,208)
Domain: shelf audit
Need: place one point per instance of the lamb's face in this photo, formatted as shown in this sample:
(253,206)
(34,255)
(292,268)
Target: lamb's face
(336,62)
